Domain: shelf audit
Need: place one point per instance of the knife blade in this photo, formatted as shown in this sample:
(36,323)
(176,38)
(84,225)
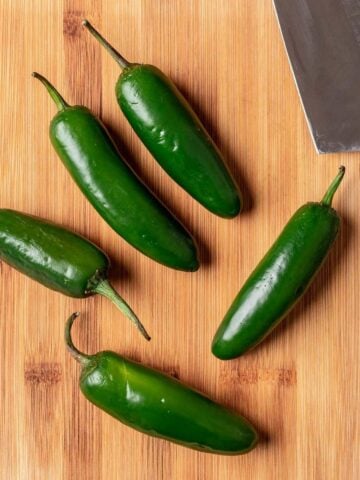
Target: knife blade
(322,39)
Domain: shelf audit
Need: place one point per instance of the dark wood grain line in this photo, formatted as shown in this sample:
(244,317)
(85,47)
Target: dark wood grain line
(82,54)
(43,404)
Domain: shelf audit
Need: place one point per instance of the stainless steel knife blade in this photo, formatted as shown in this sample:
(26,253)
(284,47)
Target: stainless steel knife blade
(322,39)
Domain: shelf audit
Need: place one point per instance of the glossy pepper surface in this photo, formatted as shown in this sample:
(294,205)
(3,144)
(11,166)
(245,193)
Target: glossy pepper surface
(158,405)
(281,278)
(120,197)
(172,132)
(58,258)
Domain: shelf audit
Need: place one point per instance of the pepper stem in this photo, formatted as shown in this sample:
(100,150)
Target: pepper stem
(105,288)
(329,195)
(54,94)
(109,48)
(74,352)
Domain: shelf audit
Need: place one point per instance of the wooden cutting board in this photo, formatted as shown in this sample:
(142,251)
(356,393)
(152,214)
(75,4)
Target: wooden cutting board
(301,387)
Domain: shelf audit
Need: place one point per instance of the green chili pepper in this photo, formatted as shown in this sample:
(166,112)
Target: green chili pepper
(91,157)
(173,133)
(58,258)
(158,405)
(281,278)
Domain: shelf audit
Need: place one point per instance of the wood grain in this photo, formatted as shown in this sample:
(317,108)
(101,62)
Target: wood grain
(301,387)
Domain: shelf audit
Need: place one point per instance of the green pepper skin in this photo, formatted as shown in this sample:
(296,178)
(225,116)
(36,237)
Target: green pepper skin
(161,406)
(58,259)
(158,405)
(119,196)
(280,279)
(172,132)
(168,127)
(51,255)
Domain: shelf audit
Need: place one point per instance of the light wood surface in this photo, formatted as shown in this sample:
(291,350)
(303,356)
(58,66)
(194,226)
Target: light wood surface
(301,387)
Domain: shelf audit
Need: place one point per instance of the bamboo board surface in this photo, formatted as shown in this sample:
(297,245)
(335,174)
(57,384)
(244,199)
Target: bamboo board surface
(300,387)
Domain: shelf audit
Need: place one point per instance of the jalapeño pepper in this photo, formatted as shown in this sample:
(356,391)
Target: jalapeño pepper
(172,132)
(58,258)
(119,196)
(158,405)
(281,278)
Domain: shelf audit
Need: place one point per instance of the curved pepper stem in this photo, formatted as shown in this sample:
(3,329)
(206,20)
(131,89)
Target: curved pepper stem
(329,195)
(105,288)
(109,48)
(54,94)
(74,352)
